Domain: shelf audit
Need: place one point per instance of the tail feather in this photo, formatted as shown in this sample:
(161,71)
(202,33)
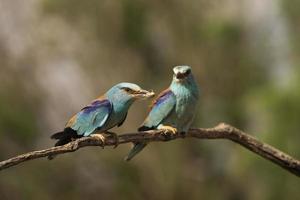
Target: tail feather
(139,146)
(64,137)
(144,128)
(135,150)
(58,135)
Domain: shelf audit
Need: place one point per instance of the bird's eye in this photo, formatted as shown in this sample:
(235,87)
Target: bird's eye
(188,72)
(127,89)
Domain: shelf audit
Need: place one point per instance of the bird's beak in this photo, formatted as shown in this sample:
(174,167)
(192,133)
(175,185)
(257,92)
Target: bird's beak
(180,75)
(143,94)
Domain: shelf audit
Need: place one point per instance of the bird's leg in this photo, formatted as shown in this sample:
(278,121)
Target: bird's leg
(115,136)
(167,129)
(100,137)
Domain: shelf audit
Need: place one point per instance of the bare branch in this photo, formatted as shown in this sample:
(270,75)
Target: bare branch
(222,131)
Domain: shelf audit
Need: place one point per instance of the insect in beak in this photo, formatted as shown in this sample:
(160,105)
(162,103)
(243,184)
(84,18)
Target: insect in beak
(143,94)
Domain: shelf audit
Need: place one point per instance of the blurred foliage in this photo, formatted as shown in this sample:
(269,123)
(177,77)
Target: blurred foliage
(62,53)
(16,118)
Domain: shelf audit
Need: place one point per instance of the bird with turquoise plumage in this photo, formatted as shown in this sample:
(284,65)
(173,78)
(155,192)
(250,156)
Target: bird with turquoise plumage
(102,114)
(173,111)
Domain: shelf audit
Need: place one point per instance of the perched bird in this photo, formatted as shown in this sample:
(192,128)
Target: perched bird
(102,114)
(174,109)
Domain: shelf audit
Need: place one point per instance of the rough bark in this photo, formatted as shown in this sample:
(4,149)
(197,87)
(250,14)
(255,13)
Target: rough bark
(222,131)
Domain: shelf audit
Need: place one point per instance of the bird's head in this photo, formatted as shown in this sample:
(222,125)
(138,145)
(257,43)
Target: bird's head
(128,92)
(182,73)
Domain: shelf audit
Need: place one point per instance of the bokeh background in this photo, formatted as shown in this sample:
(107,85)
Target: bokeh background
(58,55)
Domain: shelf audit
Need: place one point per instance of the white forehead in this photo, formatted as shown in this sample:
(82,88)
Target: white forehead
(181,69)
(129,85)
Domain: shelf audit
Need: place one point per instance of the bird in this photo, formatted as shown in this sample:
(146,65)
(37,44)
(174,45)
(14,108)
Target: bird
(174,109)
(102,114)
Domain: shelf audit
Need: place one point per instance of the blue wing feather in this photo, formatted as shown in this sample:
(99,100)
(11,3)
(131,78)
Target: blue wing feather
(92,117)
(161,108)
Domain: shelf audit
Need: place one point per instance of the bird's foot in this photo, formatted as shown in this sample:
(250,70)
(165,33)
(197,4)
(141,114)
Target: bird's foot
(100,137)
(115,136)
(167,130)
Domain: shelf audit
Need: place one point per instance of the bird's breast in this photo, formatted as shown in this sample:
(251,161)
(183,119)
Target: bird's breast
(186,105)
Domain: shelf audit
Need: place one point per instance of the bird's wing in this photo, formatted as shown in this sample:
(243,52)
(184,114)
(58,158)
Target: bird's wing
(121,123)
(160,109)
(91,117)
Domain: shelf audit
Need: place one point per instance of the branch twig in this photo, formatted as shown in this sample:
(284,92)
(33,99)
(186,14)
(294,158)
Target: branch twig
(222,131)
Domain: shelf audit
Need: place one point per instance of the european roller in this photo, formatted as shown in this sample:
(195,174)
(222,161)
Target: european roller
(102,114)
(174,109)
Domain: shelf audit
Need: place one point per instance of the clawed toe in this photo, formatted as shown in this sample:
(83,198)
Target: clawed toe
(100,137)
(168,130)
(116,138)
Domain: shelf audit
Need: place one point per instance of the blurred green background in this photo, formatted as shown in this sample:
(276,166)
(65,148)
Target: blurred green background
(57,55)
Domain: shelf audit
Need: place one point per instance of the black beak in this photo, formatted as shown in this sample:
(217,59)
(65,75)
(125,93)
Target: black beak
(180,75)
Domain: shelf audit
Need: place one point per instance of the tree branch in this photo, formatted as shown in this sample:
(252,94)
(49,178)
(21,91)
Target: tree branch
(222,131)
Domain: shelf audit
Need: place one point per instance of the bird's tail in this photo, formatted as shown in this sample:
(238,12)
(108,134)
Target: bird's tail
(138,147)
(63,137)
